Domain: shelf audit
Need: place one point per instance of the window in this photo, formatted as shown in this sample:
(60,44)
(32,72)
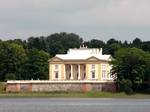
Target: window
(56,71)
(56,67)
(56,75)
(103,74)
(103,66)
(93,67)
(93,74)
(106,69)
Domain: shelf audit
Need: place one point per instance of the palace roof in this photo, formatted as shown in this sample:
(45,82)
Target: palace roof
(83,54)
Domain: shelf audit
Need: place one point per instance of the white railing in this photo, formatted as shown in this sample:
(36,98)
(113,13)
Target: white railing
(58,81)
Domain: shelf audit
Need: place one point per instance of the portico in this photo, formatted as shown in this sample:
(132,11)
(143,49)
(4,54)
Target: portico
(75,72)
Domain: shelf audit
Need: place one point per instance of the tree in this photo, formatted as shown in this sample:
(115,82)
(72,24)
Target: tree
(19,42)
(60,42)
(131,65)
(55,43)
(125,44)
(112,41)
(36,66)
(147,74)
(137,43)
(12,57)
(112,46)
(94,43)
(37,43)
(146,46)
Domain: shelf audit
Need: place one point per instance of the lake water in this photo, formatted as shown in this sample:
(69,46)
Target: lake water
(73,105)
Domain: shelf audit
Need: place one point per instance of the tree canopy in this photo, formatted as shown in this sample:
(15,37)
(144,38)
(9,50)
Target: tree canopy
(36,66)
(12,57)
(131,65)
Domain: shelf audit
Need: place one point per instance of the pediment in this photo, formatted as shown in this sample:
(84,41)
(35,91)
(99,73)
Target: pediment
(55,59)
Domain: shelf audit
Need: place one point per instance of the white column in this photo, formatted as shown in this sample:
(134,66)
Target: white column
(64,72)
(71,77)
(79,76)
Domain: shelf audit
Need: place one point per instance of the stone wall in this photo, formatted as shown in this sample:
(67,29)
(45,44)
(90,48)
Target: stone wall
(49,86)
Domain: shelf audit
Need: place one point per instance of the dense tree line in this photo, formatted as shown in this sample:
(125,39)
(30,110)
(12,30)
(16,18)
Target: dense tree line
(131,69)
(28,59)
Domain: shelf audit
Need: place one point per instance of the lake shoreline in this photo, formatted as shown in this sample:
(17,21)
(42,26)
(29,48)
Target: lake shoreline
(73,95)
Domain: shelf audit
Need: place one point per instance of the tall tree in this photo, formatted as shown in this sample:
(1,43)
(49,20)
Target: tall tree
(137,42)
(12,57)
(112,46)
(94,43)
(61,42)
(36,67)
(112,41)
(146,46)
(131,65)
(37,43)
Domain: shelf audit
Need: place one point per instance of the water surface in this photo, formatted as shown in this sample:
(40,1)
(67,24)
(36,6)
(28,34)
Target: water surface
(73,105)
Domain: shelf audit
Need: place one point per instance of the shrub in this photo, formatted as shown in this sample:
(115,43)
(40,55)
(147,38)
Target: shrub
(128,87)
(2,87)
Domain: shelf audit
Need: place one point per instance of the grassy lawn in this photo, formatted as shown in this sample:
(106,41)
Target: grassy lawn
(73,95)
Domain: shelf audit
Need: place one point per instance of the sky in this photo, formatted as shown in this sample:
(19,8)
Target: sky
(90,19)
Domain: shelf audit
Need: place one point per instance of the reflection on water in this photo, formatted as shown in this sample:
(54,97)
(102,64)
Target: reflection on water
(73,105)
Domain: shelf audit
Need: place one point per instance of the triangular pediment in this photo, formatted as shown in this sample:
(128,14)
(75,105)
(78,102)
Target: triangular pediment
(55,59)
(92,58)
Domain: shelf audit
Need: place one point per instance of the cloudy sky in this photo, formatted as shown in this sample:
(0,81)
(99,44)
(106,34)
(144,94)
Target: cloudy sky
(100,19)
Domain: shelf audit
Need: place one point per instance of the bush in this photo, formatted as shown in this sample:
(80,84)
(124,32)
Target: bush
(128,87)
(2,87)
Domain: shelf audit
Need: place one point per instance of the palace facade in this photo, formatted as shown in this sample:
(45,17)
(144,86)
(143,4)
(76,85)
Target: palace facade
(83,64)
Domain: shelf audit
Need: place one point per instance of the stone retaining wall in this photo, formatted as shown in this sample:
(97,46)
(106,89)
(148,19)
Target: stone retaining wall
(49,86)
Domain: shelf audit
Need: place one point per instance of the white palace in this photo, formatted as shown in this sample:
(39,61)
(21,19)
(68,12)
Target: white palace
(88,64)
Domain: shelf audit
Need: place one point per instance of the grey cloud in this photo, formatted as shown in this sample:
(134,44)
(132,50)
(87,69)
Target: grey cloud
(99,18)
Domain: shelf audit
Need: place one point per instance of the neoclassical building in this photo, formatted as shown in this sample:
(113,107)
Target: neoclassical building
(88,64)
(83,69)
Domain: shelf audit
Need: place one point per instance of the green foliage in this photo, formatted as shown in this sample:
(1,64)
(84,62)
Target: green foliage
(56,43)
(127,86)
(94,43)
(133,65)
(10,76)
(36,67)
(29,59)
(146,46)
(137,43)
(12,57)
(2,87)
